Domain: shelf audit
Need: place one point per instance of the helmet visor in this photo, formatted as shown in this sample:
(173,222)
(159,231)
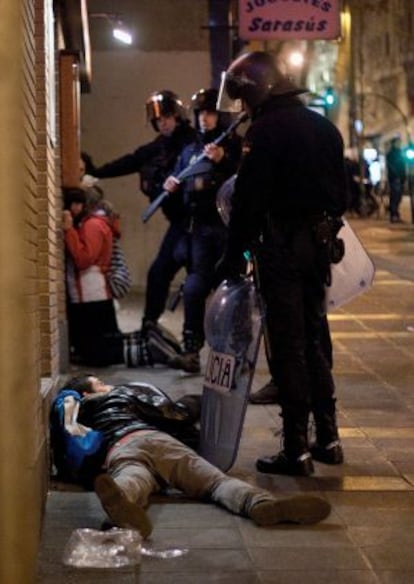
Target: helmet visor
(162,104)
(228,98)
(153,109)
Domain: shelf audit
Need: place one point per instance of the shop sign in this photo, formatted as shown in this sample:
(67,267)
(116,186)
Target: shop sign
(289,19)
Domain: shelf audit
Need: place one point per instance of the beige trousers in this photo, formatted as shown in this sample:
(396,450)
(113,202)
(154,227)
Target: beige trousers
(142,463)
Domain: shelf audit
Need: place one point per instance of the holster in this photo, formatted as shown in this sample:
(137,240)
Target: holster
(331,247)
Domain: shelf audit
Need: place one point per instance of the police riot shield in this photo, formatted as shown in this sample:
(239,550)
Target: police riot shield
(223,199)
(233,327)
(353,275)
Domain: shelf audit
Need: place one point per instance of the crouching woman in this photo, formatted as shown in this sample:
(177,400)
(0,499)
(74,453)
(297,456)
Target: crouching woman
(94,331)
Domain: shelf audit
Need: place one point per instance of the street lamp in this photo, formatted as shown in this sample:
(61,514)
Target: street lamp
(296,59)
(119,31)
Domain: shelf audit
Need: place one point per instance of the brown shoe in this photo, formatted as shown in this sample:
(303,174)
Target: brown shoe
(122,512)
(189,362)
(301,509)
(268,394)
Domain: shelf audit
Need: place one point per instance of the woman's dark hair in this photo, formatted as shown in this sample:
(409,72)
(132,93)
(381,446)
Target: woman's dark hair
(73,195)
(80,383)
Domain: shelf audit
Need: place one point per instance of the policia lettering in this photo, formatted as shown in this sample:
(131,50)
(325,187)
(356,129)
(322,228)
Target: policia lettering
(220,371)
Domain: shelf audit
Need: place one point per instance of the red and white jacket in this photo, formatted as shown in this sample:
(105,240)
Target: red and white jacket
(89,249)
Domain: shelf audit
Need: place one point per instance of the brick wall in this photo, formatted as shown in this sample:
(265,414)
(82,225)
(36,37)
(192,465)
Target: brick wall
(31,280)
(49,250)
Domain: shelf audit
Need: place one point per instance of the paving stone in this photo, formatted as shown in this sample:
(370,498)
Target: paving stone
(368,537)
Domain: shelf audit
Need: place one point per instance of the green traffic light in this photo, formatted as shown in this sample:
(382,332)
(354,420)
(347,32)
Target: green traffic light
(329,97)
(409,153)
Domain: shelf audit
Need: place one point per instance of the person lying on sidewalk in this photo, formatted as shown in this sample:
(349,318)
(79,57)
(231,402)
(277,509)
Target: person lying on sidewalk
(145,434)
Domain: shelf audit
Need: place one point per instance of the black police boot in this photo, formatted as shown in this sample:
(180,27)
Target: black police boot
(330,453)
(295,459)
(189,360)
(327,448)
(281,463)
(268,394)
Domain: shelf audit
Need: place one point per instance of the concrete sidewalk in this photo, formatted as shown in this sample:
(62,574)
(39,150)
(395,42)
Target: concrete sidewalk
(369,536)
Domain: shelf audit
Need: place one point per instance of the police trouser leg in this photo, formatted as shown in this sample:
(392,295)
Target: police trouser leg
(161,273)
(293,291)
(324,415)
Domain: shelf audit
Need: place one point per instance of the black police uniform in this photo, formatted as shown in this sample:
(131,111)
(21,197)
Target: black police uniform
(205,231)
(291,178)
(154,162)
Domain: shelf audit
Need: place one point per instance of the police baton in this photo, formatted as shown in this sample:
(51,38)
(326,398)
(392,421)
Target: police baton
(189,170)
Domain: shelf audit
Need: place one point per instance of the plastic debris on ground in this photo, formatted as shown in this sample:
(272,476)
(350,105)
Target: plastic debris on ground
(91,548)
(113,548)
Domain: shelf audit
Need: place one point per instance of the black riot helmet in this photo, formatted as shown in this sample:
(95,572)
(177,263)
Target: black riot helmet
(254,77)
(164,103)
(204,100)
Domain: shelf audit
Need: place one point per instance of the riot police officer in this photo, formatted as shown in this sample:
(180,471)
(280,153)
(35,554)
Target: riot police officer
(154,162)
(205,231)
(289,193)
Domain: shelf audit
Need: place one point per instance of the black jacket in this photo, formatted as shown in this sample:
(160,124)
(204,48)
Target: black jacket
(200,189)
(140,406)
(292,169)
(154,162)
